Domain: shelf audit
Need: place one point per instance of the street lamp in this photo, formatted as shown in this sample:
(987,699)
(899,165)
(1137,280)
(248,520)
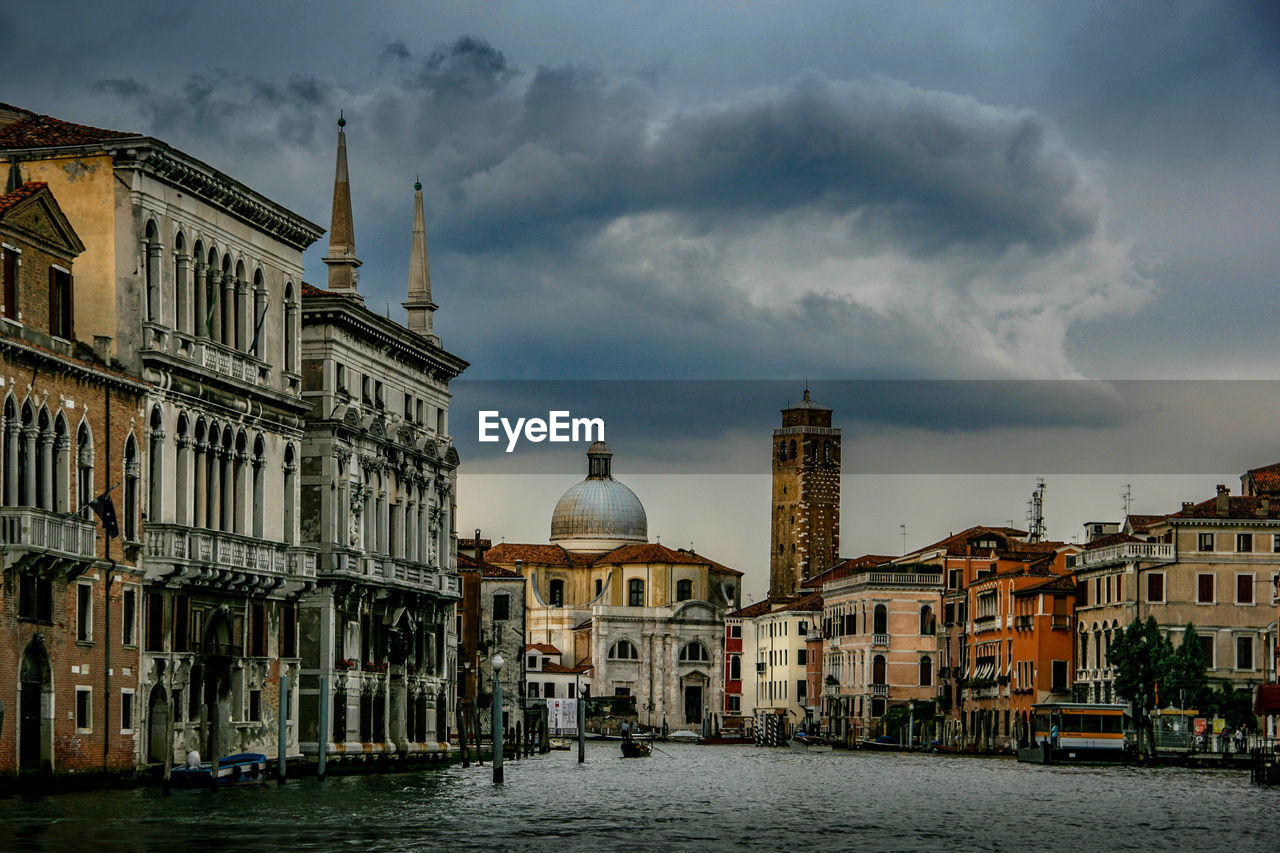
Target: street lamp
(497,719)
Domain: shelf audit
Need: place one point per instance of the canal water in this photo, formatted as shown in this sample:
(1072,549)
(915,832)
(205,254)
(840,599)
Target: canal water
(683,797)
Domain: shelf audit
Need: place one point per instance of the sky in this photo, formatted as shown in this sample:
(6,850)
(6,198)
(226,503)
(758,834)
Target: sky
(1002,201)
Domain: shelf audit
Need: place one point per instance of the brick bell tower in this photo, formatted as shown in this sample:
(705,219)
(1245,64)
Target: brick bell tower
(805,538)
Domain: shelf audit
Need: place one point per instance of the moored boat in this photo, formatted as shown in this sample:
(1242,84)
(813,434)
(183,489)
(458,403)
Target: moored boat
(810,743)
(243,767)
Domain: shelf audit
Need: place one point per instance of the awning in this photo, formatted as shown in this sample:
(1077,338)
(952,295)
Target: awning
(1267,701)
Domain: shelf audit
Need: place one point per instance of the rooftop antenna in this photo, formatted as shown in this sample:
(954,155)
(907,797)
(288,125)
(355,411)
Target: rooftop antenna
(1035,512)
(903,527)
(1127,497)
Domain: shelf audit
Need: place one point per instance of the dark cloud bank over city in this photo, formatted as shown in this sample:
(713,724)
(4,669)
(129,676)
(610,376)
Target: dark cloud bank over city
(582,228)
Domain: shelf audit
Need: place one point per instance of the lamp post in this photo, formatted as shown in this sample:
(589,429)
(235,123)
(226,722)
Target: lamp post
(582,721)
(497,719)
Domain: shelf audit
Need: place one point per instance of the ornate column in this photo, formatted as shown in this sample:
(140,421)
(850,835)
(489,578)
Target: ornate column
(46,468)
(181,486)
(243,328)
(29,448)
(12,433)
(200,514)
(182,293)
(228,331)
(155,308)
(200,327)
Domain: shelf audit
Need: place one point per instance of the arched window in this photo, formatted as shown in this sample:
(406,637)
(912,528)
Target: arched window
(556,590)
(181,285)
(258,461)
(240,482)
(241,310)
(27,458)
(61,465)
(84,465)
(826,451)
(684,589)
(879,674)
(227,302)
(290,329)
(782,451)
(131,489)
(12,451)
(151,271)
(44,460)
(155,497)
(850,624)
(290,495)
(926,671)
(928,623)
(694,652)
(635,592)
(623,650)
(880,620)
(793,448)
(735,667)
(182,473)
(259,317)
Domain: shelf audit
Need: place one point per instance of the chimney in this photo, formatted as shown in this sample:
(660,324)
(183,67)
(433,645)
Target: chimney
(479,550)
(1264,508)
(1223,504)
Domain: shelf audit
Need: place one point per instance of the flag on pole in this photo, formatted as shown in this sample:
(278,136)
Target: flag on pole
(213,305)
(257,330)
(106,510)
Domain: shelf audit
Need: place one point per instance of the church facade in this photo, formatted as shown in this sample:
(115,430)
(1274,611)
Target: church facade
(647,619)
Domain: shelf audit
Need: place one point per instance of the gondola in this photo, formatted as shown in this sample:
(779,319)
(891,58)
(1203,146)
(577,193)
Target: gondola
(635,749)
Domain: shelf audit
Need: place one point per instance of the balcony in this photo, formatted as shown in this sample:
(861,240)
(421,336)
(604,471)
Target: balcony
(880,640)
(879,690)
(1127,552)
(903,579)
(206,354)
(24,528)
(225,560)
(1022,623)
(384,570)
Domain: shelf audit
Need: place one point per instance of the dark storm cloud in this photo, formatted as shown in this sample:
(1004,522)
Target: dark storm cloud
(468,68)
(123,88)
(829,220)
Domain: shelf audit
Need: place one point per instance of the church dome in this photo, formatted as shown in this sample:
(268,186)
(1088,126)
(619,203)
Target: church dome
(598,514)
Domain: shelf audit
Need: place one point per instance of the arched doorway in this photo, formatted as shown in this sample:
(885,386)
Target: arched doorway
(35,710)
(218,648)
(158,750)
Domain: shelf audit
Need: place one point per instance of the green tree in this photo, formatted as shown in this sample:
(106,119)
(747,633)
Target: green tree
(1142,657)
(1186,685)
(1234,706)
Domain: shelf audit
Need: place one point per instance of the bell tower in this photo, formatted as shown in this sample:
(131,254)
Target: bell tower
(805,536)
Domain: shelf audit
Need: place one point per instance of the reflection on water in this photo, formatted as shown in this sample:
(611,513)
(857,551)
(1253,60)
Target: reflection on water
(683,797)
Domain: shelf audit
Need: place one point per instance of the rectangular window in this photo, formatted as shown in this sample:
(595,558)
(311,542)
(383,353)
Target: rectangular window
(501,607)
(129,617)
(84,613)
(181,623)
(735,704)
(802,657)
(622,691)
(533,662)
(1059,683)
(1205,542)
(60,311)
(155,622)
(258,631)
(1244,589)
(1244,652)
(533,690)
(35,598)
(1244,542)
(339,377)
(1275,543)
(10,283)
(735,632)
(572,691)
(1204,589)
(1155,586)
(289,631)
(801,690)
(126,711)
(84,710)
(255,706)
(1109,589)
(549,690)
(1206,647)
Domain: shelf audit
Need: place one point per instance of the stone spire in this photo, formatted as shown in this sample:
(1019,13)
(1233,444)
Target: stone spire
(342,258)
(420,307)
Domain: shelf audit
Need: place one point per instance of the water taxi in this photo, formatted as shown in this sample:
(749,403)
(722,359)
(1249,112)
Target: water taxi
(1077,732)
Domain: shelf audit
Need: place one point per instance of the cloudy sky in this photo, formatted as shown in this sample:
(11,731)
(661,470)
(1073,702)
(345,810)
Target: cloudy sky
(755,191)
